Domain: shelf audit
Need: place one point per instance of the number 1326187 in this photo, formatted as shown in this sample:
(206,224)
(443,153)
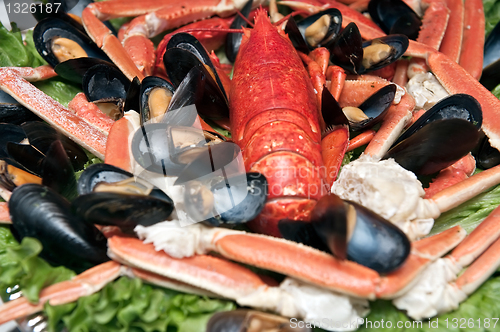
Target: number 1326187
(488,323)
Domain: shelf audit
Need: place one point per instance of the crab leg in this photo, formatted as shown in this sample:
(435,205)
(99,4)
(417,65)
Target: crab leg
(483,242)
(84,284)
(91,113)
(4,213)
(54,113)
(34,74)
(452,40)
(471,57)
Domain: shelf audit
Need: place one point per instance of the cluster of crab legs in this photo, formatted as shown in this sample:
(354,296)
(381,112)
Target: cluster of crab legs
(204,274)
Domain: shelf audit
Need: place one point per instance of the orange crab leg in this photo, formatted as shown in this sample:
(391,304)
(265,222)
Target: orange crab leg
(53,112)
(34,74)
(4,213)
(452,40)
(423,253)
(90,112)
(362,139)
(103,37)
(333,148)
(451,175)
(471,57)
(337,77)
(64,292)
(434,25)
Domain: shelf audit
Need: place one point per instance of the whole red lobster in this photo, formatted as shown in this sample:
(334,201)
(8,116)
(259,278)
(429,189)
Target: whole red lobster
(275,121)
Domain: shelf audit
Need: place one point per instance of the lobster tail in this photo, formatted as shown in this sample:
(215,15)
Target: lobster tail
(275,121)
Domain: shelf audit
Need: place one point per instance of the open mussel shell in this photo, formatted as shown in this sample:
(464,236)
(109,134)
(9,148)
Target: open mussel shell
(238,199)
(198,88)
(178,64)
(435,146)
(347,52)
(154,97)
(39,212)
(40,135)
(99,173)
(381,52)
(243,320)
(57,172)
(486,156)
(295,36)
(107,87)
(214,158)
(233,40)
(132,102)
(331,111)
(395,17)
(54,31)
(74,69)
(321,29)
(123,210)
(374,108)
(458,106)
(9,133)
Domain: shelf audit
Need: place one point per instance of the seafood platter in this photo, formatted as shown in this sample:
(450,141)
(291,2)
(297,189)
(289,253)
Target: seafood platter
(219,165)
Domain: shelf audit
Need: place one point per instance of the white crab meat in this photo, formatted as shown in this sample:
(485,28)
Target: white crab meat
(389,190)
(426,90)
(433,294)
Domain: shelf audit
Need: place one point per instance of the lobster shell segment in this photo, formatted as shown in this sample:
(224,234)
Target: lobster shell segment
(275,121)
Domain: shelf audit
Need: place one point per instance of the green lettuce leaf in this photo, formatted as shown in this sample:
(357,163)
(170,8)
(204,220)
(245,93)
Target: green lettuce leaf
(491,14)
(20,265)
(129,305)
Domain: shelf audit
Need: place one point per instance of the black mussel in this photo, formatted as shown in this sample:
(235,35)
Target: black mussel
(225,155)
(99,173)
(486,156)
(233,40)
(243,320)
(40,135)
(158,146)
(200,90)
(108,178)
(302,232)
(132,102)
(74,69)
(235,199)
(14,113)
(435,146)
(492,47)
(57,10)
(380,52)
(459,106)
(57,172)
(39,212)
(350,53)
(332,113)
(107,87)
(154,98)
(490,77)
(321,29)
(372,110)
(295,36)
(122,209)
(178,64)
(395,17)
(347,52)
(26,155)
(354,232)
(9,133)
(12,176)
(58,41)
(375,242)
